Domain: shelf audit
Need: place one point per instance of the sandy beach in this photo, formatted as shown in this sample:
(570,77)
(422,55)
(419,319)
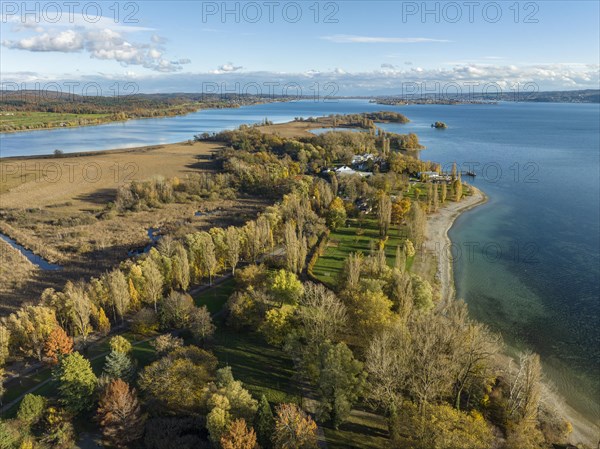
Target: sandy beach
(438,243)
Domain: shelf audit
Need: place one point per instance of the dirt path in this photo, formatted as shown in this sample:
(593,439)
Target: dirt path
(438,243)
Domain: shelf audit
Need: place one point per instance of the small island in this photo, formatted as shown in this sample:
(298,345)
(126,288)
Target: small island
(439,125)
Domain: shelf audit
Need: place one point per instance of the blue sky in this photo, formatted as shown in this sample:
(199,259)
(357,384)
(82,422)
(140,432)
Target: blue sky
(364,47)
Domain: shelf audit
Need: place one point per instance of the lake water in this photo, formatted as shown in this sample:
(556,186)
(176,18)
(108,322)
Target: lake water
(527,262)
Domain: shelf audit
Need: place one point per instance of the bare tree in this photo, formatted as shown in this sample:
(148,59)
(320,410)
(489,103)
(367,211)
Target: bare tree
(322,313)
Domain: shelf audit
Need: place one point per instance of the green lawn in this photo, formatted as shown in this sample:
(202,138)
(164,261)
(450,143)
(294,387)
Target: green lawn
(355,237)
(215,298)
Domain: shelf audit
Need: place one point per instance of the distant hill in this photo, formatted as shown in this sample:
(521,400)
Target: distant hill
(566,96)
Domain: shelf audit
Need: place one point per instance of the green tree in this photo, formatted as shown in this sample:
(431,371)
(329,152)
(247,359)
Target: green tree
(340,383)
(277,324)
(31,409)
(264,423)
(77,382)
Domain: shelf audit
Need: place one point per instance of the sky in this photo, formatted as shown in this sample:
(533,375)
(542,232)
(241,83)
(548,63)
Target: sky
(324,47)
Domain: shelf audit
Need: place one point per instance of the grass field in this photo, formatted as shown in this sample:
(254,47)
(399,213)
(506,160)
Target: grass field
(356,236)
(19,121)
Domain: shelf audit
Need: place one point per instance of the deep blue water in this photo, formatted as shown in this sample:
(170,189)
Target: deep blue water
(533,272)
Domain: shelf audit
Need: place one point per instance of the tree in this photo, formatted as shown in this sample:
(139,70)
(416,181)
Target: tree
(60,433)
(77,382)
(103,322)
(31,409)
(241,402)
(351,272)
(336,215)
(416,224)
(118,343)
(179,380)
(369,311)
(201,325)
(277,324)
(292,247)
(386,369)
(322,314)
(166,343)
(294,429)
(384,213)
(120,415)
(153,282)
(118,365)
(180,267)
(340,383)
(399,210)
(80,308)
(30,326)
(422,293)
(177,310)
(440,427)
(233,247)
(118,290)
(264,423)
(286,287)
(4,344)
(57,345)
(202,254)
(525,389)
(238,436)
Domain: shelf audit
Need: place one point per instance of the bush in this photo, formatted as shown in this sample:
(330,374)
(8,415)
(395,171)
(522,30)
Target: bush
(120,344)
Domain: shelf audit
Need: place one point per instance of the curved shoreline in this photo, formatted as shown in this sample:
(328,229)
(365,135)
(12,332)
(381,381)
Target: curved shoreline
(438,242)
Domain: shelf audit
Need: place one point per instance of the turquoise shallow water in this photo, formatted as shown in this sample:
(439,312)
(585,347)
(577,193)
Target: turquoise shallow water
(528,261)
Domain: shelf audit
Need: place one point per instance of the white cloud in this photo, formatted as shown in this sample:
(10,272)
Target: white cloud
(349,39)
(228,67)
(104,44)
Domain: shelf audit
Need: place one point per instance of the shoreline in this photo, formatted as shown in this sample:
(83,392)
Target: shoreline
(438,242)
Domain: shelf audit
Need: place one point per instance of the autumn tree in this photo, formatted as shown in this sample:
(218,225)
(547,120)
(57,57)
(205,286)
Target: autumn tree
(30,327)
(384,213)
(322,314)
(238,436)
(416,224)
(233,247)
(118,343)
(120,415)
(350,275)
(80,308)
(285,287)
(201,324)
(57,345)
(178,381)
(166,343)
(4,344)
(336,215)
(76,382)
(102,322)
(153,283)
(118,290)
(176,310)
(294,429)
